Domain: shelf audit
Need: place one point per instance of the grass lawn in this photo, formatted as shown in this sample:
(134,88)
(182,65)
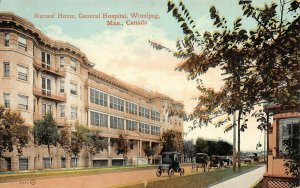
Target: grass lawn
(196,180)
(69,172)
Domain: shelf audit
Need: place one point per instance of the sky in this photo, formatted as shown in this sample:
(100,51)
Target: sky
(123,50)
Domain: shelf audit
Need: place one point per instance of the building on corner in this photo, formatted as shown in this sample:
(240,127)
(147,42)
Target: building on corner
(40,75)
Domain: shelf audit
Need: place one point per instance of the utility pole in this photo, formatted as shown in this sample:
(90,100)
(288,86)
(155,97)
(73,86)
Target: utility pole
(234,143)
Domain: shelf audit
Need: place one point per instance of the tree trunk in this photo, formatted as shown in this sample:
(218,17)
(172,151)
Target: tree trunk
(239,140)
(234,144)
(50,161)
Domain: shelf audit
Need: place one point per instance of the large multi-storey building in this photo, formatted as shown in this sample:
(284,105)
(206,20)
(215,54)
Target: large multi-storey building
(40,75)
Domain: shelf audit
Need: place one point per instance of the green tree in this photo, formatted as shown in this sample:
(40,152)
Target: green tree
(13,132)
(149,152)
(94,143)
(188,150)
(122,147)
(46,133)
(259,64)
(74,142)
(172,141)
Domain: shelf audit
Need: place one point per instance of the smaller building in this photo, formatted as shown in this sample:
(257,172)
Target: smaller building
(284,125)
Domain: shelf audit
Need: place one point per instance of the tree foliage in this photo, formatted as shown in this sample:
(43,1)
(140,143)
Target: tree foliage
(46,133)
(259,64)
(13,132)
(122,147)
(149,152)
(188,149)
(74,142)
(213,147)
(172,141)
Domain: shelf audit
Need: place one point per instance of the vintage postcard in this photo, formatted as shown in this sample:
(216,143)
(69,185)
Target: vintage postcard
(137,93)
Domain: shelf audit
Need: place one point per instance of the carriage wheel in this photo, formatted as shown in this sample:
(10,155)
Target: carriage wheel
(182,172)
(171,172)
(158,172)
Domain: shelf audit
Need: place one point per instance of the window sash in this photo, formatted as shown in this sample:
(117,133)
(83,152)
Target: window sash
(6,100)
(73,64)
(6,39)
(73,112)
(62,111)
(23,102)
(62,86)
(61,62)
(22,43)
(287,127)
(73,89)
(6,69)
(116,103)
(22,73)
(46,109)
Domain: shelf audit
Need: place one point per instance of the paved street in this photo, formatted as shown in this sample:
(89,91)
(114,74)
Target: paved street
(91,181)
(243,181)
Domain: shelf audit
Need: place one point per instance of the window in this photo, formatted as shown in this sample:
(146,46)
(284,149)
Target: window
(61,62)
(63,162)
(22,73)
(287,128)
(46,161)
(73,64)
(116,103)
(23,164)
(144,128)
(6,100)
(131,108)
(6,39)
(62,111)
(155,130)
(23,102)
(73,89)
(6,69)
(97,97)
(131,125)
(22,43)
(46,86)
(99,119)
(46,109)
(116,123)
(144,112)
(73,112)
(61,86)
(46,60)
(155,115)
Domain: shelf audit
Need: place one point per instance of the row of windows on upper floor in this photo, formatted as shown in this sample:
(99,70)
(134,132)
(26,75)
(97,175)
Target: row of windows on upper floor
(46,107)
(101,98)
(96,97)
(104,120)
(45,57)
(22,74)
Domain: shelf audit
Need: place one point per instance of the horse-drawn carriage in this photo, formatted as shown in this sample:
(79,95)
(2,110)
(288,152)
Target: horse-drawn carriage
(201,160)
(170,164)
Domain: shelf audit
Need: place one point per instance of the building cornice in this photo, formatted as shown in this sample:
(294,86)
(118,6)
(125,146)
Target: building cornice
(27,26)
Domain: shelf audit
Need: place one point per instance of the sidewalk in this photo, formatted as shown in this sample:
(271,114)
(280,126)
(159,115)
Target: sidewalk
(243,181)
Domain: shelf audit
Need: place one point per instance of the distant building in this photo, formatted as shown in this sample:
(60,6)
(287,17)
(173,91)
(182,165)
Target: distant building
(284,124)
(40,75)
